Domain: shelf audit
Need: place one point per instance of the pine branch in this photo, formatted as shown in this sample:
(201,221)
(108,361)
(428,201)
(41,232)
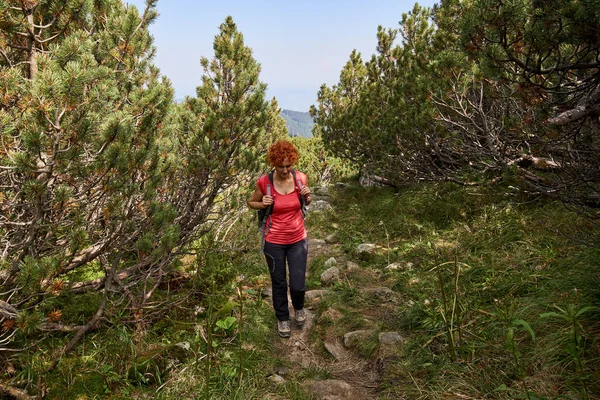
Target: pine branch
(10,64)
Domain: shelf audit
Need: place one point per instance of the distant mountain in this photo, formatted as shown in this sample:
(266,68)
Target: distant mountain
(298,123)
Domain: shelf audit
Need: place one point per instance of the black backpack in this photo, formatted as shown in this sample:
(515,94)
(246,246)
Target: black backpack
(264,213)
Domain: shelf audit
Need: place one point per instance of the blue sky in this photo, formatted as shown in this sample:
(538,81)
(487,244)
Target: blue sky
(300,45)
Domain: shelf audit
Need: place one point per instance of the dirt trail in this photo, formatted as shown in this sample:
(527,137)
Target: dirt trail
(358,377)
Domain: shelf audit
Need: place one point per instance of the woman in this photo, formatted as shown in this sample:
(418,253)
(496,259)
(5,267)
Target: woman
(285,237)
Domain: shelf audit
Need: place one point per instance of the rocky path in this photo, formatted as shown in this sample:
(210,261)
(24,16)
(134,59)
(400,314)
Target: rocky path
(350,376)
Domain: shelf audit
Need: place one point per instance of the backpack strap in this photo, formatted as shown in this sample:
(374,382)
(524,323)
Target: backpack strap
(298,186)
(269,210)
(266,222)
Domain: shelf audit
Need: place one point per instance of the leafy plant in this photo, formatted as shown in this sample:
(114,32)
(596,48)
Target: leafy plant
(572,315)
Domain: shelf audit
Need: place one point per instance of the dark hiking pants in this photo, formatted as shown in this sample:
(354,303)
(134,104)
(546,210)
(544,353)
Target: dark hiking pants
(295,255)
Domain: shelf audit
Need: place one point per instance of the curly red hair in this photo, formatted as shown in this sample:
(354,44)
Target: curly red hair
(281,150)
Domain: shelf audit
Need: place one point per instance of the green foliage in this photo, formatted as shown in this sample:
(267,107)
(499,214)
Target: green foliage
(85,119)
(321,167)
(475,91)
(379,115)
(513,265)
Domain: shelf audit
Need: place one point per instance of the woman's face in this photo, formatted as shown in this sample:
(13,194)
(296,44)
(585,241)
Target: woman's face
(284,169)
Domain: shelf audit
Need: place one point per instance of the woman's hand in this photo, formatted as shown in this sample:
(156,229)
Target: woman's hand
(267,201)
(306,193)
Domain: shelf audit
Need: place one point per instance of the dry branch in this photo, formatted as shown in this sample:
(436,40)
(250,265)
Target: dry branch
(575,114)
(7,310)
(14,393)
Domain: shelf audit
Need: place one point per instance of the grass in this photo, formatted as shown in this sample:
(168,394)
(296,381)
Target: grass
(512,255)
(494,299)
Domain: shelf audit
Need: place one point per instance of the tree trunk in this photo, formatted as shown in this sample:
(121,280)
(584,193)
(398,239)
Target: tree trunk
(32,50)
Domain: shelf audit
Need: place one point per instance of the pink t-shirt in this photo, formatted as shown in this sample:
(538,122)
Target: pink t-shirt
(287,222)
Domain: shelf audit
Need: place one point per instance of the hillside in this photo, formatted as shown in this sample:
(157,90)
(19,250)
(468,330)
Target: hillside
(298,123)
(471,297)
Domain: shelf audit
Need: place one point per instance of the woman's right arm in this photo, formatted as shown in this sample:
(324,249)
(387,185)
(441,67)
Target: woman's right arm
(258,201)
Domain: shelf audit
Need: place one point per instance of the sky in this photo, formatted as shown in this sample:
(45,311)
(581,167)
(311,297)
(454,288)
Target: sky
(299,44)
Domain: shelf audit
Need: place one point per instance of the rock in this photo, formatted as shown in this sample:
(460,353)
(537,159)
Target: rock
(398,266)
(352,338)
(184,345)
(321,191)
(330,239)
(393,267)
(299,344)
(330,276)
(276,379)
(331,262)
(352,266)
(267,292)
(366,249)
(318,206)
(332,389)
(336,350)
(282,370)
(389,338)
(342,185)
(316,243)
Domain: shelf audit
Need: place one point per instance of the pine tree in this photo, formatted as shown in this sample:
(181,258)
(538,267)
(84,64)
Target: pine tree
(545,56)
(379,115)
(221,135)
(81,122)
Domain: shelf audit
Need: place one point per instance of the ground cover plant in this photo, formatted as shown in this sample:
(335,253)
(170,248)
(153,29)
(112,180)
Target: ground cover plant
(499,294)
(496,298)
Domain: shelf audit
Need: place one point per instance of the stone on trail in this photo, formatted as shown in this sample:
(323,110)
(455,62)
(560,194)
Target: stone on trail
(352,266)
(336,350)
(365,250)
(397,266)
(331,262)
(276,379)
(332,389)
(321,191)
(330,276)
(351,339)
(282,370)
(316,243)
(381,292)
(330,239)
(318,206)
(389,338)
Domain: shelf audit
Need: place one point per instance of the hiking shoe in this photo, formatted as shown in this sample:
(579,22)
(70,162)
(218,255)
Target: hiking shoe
(284,328)
(300,317)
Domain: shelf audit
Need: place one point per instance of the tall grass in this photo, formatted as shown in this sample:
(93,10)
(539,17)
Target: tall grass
(474,253)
